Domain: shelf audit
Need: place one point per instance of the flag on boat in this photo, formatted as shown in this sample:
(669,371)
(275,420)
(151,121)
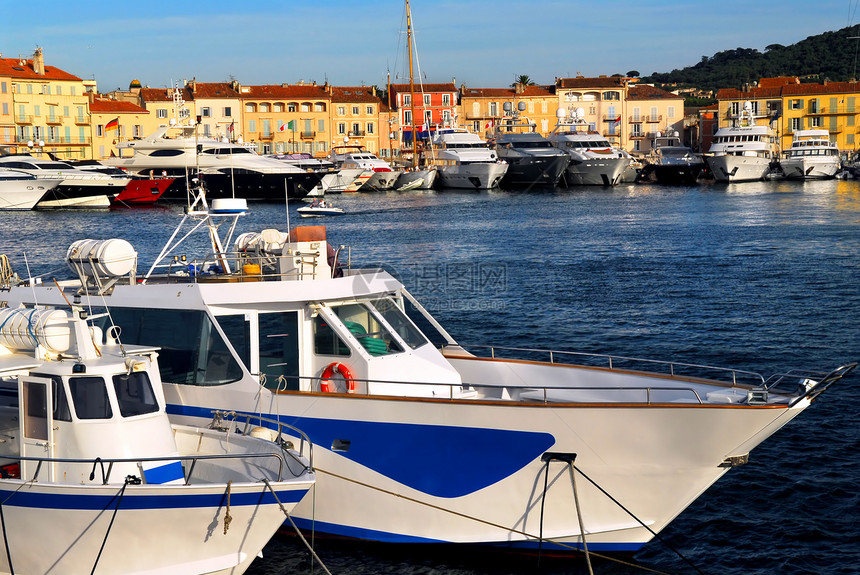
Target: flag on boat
(112,125)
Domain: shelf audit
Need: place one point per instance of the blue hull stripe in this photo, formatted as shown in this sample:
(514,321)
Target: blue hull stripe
(386,537)
(420,456)
(130,500)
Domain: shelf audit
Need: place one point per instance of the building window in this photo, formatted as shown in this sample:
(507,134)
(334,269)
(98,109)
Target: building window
(493,109)
(319,107)
(426,99)
(278,108)
(356,128)
(815,122)
(306,107)
(250,107)
(796,124)
(228,112)
(321,126)
(100,130)
(670,112)
(370,128)
(355,111)
(2,87)
(407,99)
(612,95)
(795,104)
(293,107)
(252,126)
(369,110)
(446,99)
(136,131)
(264,107)
(407,117)
(341,128)
(206,112)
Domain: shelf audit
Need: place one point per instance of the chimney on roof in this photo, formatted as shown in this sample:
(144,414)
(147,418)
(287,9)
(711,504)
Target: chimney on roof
(38,62)
(519,88)
(235,85)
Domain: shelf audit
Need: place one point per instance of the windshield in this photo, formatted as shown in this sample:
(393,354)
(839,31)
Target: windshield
(398,321)
(367,329)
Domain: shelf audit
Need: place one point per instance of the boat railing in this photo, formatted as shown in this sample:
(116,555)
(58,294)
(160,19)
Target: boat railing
(521,392)
(106,465)
(243,268)
(620,362)
(246,420)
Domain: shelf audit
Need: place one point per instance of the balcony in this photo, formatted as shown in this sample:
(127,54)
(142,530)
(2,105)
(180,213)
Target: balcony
(82,120)
(307,135)
(637,136)
(357,134)
(635,119)
(54,120)
(610,118)
(654,119)
(27,119)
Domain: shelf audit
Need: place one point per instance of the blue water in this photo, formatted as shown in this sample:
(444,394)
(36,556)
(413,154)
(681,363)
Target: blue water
(756,276)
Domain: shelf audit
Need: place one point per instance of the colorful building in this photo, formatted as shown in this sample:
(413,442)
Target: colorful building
(482,108)
(116,120)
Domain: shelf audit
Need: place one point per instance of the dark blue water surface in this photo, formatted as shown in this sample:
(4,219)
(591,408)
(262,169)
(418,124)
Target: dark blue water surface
(757,276)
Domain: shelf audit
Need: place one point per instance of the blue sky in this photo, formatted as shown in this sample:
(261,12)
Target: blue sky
(483,43)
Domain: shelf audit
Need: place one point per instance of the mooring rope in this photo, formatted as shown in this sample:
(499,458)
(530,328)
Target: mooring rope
(490,523)
(128,479)
(295,527)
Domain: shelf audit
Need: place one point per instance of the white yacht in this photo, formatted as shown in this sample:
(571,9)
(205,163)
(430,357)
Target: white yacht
(812,156)
(383,176)
(227,169)
(74,188)
(593,160)
(464,160)
(419,439)
(531,158)
(93,473)
(21,190)
(743,152)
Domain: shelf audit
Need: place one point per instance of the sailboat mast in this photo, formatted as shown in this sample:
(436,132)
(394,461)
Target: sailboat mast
(411,86)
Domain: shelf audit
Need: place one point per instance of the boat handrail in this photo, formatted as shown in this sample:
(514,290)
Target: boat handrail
(236,417)
(611,360)
(110,461)
(208,268)
(460,391)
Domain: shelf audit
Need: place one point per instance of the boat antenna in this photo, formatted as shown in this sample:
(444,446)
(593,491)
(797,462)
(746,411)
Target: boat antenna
(287,204)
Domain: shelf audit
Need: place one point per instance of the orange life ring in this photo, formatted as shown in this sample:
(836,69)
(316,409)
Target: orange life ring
(325,380)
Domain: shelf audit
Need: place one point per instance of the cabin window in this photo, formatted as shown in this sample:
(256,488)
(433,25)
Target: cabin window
(399,323)
(35,410)
(192,350)
(326,341)
(61,403)
(134,394)
(369,332)
(90,398)
(279,349)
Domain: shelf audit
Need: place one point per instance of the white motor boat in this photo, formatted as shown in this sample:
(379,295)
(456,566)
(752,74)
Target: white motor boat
(21,190)
(319,208)
(416,179)
(531,158)
(95,478)
(464,160)
(74,188)
(227,169)
(745,152)
(382,177)
(422,439)
(812,156)
(593,160)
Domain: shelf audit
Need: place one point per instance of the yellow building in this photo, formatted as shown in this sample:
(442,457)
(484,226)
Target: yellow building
(482,108)
(789,105)
(165,104)
(219,107)
(356,117)
(114,121)
(49,108)
(651,112)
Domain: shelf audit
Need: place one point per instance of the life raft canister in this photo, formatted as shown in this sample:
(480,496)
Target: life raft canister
(326,384)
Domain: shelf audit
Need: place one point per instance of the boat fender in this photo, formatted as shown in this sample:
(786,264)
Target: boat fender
(326,384)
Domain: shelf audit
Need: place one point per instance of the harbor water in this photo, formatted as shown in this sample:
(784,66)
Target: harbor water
(761,276)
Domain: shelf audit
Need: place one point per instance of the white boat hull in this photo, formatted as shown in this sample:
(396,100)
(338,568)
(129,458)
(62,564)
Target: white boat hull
(23,194)
(53,528)
(381,181)
(731,168)
(472,176)
(810,168)
(430,471)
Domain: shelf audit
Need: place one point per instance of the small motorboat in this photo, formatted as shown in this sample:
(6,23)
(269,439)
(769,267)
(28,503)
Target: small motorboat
(318,208)
(93,476)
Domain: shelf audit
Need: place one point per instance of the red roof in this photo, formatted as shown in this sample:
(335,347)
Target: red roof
(20,68)
(644,92)
(100,105)
(282,92)
(349,94)
(582,83)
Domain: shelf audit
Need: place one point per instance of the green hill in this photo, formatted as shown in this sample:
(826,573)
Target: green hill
(831,56)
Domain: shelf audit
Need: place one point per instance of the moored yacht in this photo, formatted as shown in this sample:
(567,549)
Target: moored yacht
(464,160)
(744,152)
(227,169)
(334,180)
(531,158)
(382,177)
(21,190)
(424,440)
(74,188)
(593,160)
(670,162)
(811,156)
